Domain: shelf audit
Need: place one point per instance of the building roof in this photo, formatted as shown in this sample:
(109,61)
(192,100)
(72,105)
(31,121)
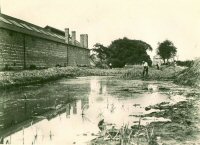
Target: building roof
(50,33)
(54,30)
(62,33)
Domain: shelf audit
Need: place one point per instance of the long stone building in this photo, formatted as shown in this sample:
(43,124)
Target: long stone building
(24,45)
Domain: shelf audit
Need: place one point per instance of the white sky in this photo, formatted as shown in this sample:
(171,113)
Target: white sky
(152,21)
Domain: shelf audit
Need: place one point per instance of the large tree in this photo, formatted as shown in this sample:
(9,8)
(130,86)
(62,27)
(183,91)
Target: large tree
(126,51)
(123,51)
(166,50)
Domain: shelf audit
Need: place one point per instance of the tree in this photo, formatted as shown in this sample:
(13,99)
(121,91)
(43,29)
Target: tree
(99,55)
(126,51)
(166,50)
(123,51)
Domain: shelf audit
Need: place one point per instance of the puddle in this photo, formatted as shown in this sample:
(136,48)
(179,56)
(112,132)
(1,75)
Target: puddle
(63,120)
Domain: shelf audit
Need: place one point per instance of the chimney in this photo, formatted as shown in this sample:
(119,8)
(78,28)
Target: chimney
(86,40)
(74,37)
(67,35)
(82,40)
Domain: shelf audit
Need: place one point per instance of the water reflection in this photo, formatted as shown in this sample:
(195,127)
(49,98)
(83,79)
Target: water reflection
(50,117)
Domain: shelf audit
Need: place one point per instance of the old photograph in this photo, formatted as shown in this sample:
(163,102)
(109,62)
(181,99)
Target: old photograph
(100,72)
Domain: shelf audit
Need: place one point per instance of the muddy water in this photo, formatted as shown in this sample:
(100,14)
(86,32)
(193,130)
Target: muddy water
(68,111)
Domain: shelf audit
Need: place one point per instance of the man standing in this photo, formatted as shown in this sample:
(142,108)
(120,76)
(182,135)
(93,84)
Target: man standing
(145,69)
(158,66)
(110,64)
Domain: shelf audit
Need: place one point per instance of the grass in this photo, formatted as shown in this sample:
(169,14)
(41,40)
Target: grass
(26,77)
(126,135)
(165,73)
(190,76)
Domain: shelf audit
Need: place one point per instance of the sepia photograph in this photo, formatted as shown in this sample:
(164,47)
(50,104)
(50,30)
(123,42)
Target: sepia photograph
(100,72)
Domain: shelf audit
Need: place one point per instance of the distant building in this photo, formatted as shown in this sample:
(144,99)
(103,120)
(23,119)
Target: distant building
(23,45)
(157,60)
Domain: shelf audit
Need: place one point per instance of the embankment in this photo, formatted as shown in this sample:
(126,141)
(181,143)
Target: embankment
(164,73)
(27,77)
(190,76)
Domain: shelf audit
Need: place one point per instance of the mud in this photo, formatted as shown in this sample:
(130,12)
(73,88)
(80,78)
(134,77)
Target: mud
(182,126)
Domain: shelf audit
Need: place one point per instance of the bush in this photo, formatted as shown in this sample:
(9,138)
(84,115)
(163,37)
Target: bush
(8,68)
(32,67)
(187,63)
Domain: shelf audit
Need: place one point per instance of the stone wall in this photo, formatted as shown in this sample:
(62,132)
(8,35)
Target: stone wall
(11,49)
(77,57)
(44,53)
(18,50)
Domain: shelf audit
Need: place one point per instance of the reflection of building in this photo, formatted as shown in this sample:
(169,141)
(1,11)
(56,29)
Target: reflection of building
(76,107)
(97,92)
(84,103)
(68,108)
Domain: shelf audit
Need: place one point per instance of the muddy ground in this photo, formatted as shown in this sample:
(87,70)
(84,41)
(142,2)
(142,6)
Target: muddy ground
(183,126)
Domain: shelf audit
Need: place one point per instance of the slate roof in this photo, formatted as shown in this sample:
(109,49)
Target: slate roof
(21,26)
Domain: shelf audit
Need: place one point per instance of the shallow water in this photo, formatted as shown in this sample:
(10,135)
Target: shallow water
(22,119)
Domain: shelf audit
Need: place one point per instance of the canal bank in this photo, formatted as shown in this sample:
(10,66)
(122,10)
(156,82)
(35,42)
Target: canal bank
(27,77)
(190,76)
